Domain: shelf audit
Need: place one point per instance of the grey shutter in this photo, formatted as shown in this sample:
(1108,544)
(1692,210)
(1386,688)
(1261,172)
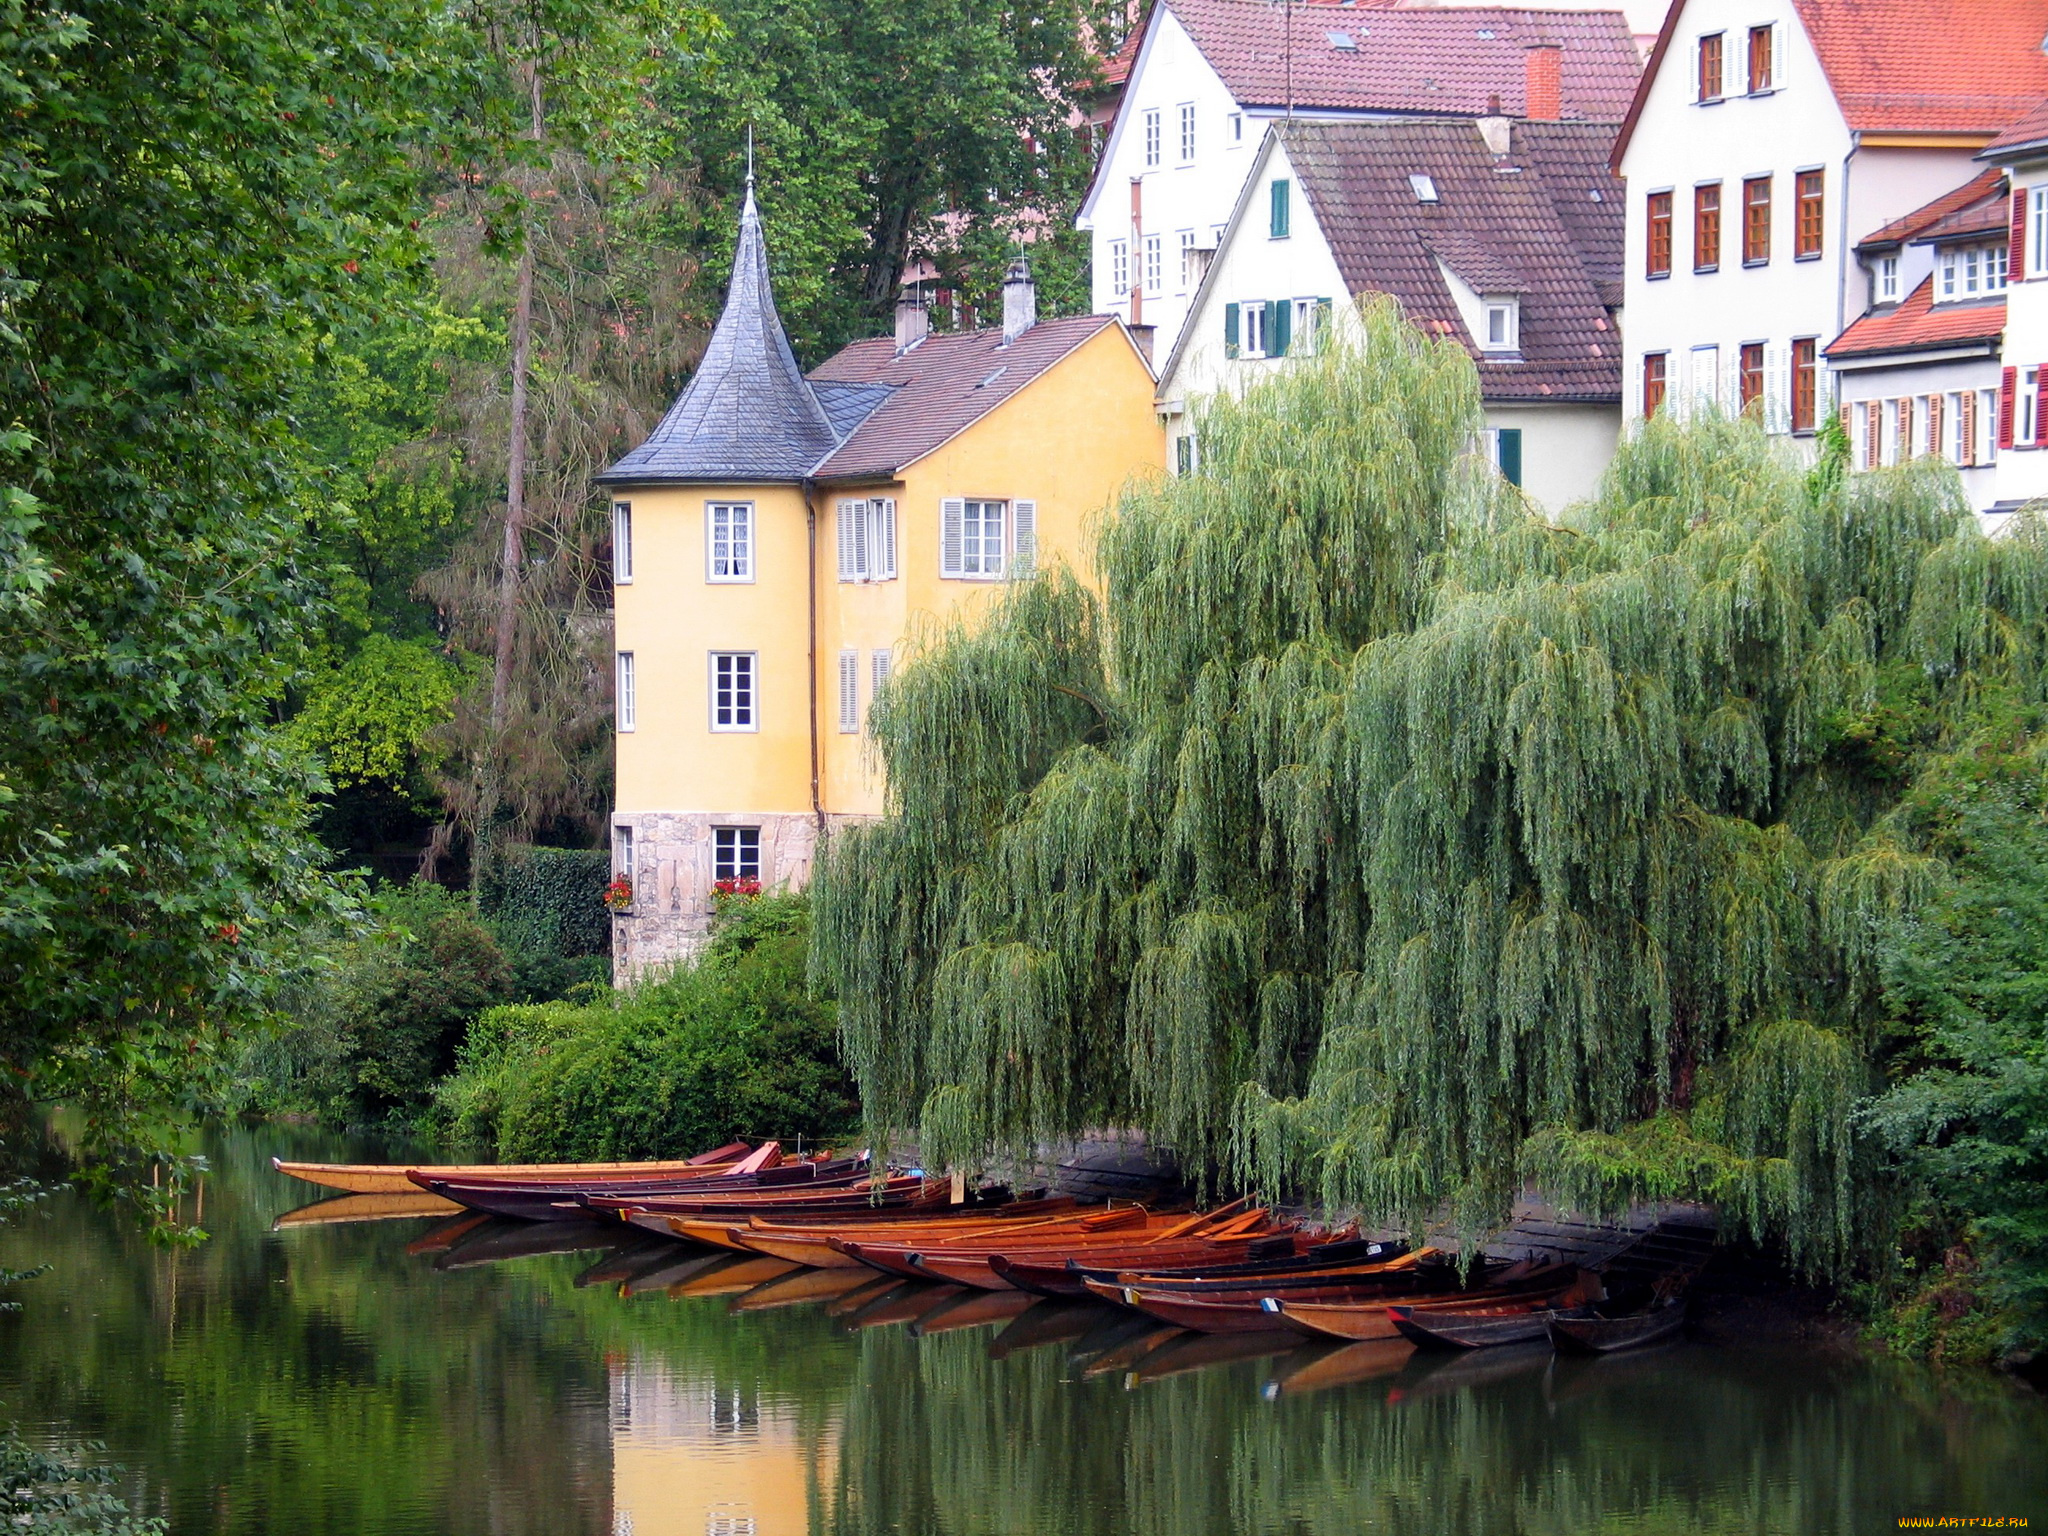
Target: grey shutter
(878,667)
(1024,540)
(849,691)
(882,538)
(850,513)
(1279,326)
(952,510)
(1230,330)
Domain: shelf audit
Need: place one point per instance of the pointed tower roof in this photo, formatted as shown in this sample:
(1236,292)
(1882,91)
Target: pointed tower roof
(748,413)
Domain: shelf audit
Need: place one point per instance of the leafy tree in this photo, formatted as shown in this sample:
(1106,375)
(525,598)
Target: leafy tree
(1373,834)
(1967,977)
(198,192)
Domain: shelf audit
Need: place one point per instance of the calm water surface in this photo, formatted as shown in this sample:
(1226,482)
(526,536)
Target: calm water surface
(324,1379)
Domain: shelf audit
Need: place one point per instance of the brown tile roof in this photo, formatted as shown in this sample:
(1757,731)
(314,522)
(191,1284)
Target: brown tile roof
(2030,132)
(1446,61)
(1917,66)
(1914,225)
(1544,222)
(1919,324)
(938,388)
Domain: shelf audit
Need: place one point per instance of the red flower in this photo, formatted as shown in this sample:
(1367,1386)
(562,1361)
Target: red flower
(744,885)
(619,894)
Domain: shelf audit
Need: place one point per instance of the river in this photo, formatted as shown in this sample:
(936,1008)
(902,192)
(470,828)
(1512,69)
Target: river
(326,1380)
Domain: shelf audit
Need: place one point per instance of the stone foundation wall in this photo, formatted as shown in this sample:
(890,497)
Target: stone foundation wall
(672,878)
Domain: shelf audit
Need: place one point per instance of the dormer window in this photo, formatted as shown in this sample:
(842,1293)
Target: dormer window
(1887,279)
(1971,271)
(1503,325)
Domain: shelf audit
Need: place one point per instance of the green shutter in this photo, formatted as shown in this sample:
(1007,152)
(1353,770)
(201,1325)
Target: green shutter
(1230,330)
(1279,209)
(1510,454)
(1279,325)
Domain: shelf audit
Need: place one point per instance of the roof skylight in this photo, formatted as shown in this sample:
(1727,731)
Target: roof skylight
(1342,41)
(1424,188)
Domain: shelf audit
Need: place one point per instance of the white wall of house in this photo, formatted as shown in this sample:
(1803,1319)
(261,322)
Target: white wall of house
(1184,199)
(1564,448)
(1701,320)
(2023,471)
(1966,386)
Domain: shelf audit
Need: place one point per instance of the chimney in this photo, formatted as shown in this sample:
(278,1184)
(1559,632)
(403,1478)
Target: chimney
(913,319)
(1142,335)
(1543,83)
(1020,301)
(1495,129)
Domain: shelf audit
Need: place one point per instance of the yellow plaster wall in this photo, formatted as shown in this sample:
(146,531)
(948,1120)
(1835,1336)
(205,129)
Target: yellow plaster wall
(1069,441)
(672,618)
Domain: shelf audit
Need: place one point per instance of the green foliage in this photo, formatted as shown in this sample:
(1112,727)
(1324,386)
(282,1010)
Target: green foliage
(378,1016)
(1413,842)
(731,1045)
(1966,977)
(373,719)
(197,192)
(559,892)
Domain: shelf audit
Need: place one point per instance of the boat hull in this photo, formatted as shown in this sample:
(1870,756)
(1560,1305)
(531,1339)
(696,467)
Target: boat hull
(1585,1332)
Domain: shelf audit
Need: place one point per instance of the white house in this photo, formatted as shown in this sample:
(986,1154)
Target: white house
(1208,75)
(1767,135)
(1506,236)
(1919,371)
(2022,473)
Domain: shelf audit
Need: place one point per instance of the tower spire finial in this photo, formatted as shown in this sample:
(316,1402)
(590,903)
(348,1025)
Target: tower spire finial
(750,159)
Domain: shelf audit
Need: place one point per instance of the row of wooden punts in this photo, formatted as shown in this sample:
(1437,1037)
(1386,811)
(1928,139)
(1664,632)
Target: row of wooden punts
(1233,1270)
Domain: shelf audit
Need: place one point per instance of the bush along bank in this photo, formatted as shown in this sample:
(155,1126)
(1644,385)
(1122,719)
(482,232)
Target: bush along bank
(732,1044)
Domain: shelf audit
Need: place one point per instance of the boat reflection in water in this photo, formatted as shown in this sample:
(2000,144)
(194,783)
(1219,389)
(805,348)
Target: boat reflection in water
(442,1375)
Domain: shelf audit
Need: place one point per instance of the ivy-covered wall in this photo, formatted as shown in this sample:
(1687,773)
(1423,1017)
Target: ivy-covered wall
(556,895)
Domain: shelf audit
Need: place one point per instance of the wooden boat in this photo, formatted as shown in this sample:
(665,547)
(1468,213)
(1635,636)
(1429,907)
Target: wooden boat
(967,1259)
(448,1233)
(1203,1258)
(548,1200)
(1542,1288)
(809,1242)
(1200,1351)
(873,1289)
(1470,1330)
(373,1207)
(393,1178)
(1424,1269)
(1591,1331)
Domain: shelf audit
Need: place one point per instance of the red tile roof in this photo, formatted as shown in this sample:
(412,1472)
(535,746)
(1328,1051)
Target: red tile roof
(2029,132)
(1910,66)
(1931,66)
(1920,324)
(940,387)
(1441,61)
(1912,225)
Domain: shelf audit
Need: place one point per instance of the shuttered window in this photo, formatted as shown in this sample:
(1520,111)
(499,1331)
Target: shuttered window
(1231,330)
(867,539)
(1805,384)
(1763,74)
(849,691)
(1749,376)
(983,540)
(1756,221)
(1710,67)
(879,663)
(1281,213)
(729,541)
(1655,375)
(1657,246)
(1706,227)
(1809,228)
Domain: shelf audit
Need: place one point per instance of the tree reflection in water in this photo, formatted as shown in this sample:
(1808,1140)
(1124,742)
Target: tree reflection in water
(323,1380)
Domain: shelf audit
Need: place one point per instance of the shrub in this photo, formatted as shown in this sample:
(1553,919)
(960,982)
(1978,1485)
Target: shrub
(732,1045)
(546,908)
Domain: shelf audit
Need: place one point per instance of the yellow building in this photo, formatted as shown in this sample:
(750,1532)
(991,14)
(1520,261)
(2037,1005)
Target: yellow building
(776,538)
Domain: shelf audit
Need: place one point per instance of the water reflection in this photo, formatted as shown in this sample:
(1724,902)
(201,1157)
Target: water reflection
(438,1373)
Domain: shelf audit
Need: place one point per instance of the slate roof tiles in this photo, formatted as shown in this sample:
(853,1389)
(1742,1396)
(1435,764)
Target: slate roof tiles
(1543,221)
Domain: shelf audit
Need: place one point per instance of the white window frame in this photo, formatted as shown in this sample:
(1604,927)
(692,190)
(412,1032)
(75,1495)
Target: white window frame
(2037,231)
(622,853)
(1236,122)
(1510,311)
(1972,271)
(1185,239)
(1996,256)
(1953,406)
(1119,267)
(1152,137)
(1251,328)
(1703,387)
(728,850)
(1305,330)
(1155,265)
(729,542)
(1187,133)
(849,692)
(1016,538)
(1887,279)
(2026,418)
(625,701)
(1985,442)
(622,543)
(745,690)
(865,531)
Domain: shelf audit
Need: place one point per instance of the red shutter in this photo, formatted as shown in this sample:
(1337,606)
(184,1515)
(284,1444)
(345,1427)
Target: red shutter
(2016,255)
(2008,394)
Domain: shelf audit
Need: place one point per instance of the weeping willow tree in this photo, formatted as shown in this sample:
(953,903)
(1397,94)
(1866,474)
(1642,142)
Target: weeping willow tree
(1361,832)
